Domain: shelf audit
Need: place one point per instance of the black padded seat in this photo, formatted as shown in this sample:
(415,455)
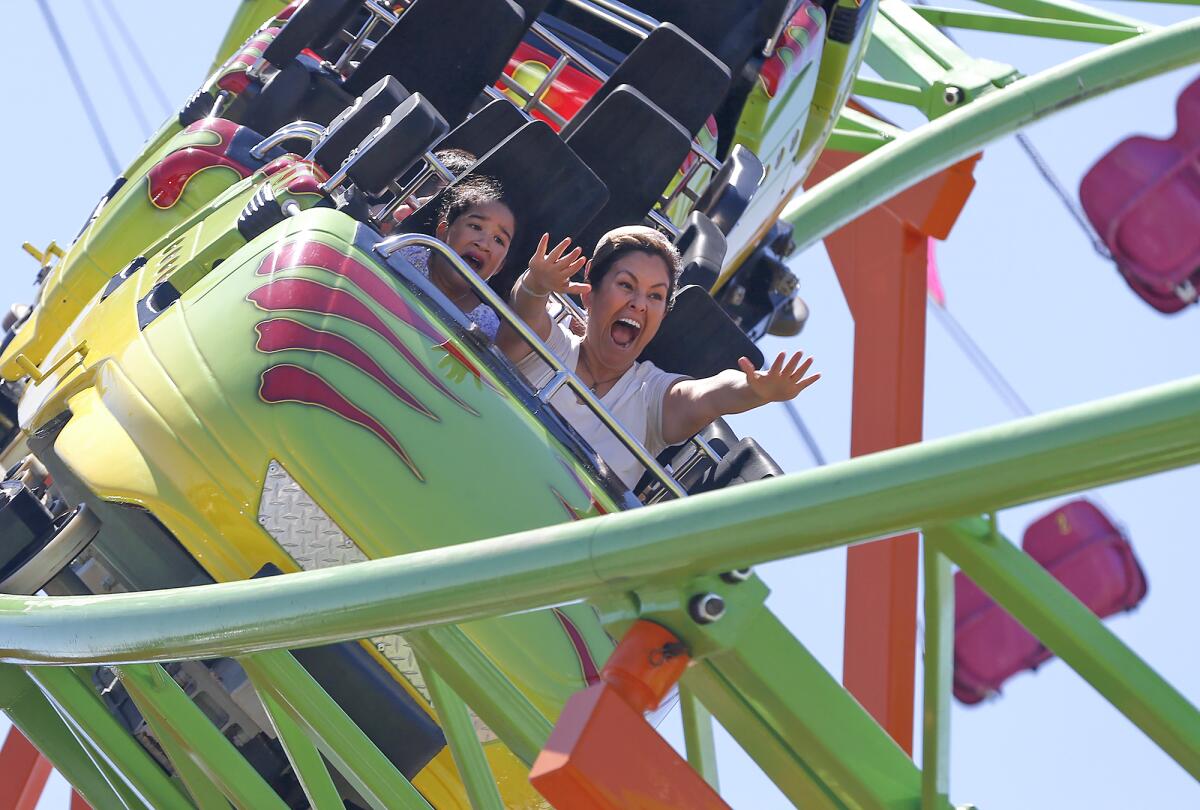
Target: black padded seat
(635,149)
(532,9)
(674,72)
(411,130)
(702,248)
(698,338)
(550,188)
(745,462)
(728,194)
(480,133)
(310,25)
(356,122)
(448,50)
(301,91)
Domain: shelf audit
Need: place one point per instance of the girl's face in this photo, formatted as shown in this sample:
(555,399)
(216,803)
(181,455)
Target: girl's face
(481,236)
(626,308)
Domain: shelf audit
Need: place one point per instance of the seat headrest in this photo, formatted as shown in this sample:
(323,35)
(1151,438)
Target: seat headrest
(671,70)
(480,133)
(408,133)
(698,338)
(635,148)
(308,26)
(432,52)
(357,121)
(702,248)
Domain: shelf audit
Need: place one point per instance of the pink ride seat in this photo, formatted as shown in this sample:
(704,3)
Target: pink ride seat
(1143,198)
(1083,550)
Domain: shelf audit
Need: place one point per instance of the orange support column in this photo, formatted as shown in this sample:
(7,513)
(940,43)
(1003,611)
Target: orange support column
(881,261)
(23,773)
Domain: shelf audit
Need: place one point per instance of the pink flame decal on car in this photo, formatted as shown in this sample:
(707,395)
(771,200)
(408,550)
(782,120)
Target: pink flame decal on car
(281,334)
(306,295)
(587,664)
(168,178)
(317,254)
(289,383)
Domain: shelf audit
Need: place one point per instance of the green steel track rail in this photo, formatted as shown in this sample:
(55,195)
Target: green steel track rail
(814,741)
(873,496)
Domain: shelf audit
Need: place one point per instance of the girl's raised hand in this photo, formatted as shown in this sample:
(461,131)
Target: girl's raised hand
(551,270)
(780,382)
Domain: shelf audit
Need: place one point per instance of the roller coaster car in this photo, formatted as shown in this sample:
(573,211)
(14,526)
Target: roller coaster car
(1143,198)
(1082,549)
(232,372)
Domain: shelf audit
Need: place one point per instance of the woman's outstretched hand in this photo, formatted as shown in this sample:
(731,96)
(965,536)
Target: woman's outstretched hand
(551,270)
(780,382)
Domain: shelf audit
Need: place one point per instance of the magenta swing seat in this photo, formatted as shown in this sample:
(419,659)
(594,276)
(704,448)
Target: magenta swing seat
(1143,198)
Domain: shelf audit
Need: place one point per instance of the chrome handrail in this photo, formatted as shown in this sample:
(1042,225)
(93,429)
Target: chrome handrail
(306,130)
(618,15)
(378,14)
(561,375)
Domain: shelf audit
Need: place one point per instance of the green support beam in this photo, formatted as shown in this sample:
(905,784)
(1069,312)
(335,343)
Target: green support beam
(939,677)
(807,733)
(1026,26)
(1074,634)
(1068,10)
(199,749)
(303,754)
(872,496)
(476,680)
(33,715)
(99,730)
(886,172)
(464,743)
(698,737)
(336,736)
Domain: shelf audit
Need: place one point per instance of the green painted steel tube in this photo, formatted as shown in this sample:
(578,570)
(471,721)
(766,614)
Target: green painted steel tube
(807,733)
(698,737)
(873,496)
(1066,10)
(107,737)
(303,754)
(337,737)
(464,743)
(889,170)
(171,712)
(33,715)
(898,92)
(939,675)
(1026,26)
(495,698)
(1074,634)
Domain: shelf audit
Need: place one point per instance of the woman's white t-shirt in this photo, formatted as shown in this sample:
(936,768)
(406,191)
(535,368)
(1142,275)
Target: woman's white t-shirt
(635,400)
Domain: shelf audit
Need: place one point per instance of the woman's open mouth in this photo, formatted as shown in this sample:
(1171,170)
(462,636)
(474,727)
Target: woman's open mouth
(625,331)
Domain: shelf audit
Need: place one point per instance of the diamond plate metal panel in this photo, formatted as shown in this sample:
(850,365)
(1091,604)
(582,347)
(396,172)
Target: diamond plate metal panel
(315,541)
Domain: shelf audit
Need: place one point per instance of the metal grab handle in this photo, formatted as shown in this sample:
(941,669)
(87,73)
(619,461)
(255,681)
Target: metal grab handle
(307,130)
(561,374)
(618,15)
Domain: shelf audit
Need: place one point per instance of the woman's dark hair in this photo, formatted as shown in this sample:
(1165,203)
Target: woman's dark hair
(635,238)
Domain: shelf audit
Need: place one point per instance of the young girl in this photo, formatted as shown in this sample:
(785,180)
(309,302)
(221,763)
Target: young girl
(632,275)
(477,222)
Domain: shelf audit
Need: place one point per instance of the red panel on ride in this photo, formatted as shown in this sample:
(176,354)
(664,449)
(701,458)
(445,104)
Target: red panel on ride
(1083,550)
(1143,198)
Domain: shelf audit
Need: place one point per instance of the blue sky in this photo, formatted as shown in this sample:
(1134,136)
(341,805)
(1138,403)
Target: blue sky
(1019,275)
